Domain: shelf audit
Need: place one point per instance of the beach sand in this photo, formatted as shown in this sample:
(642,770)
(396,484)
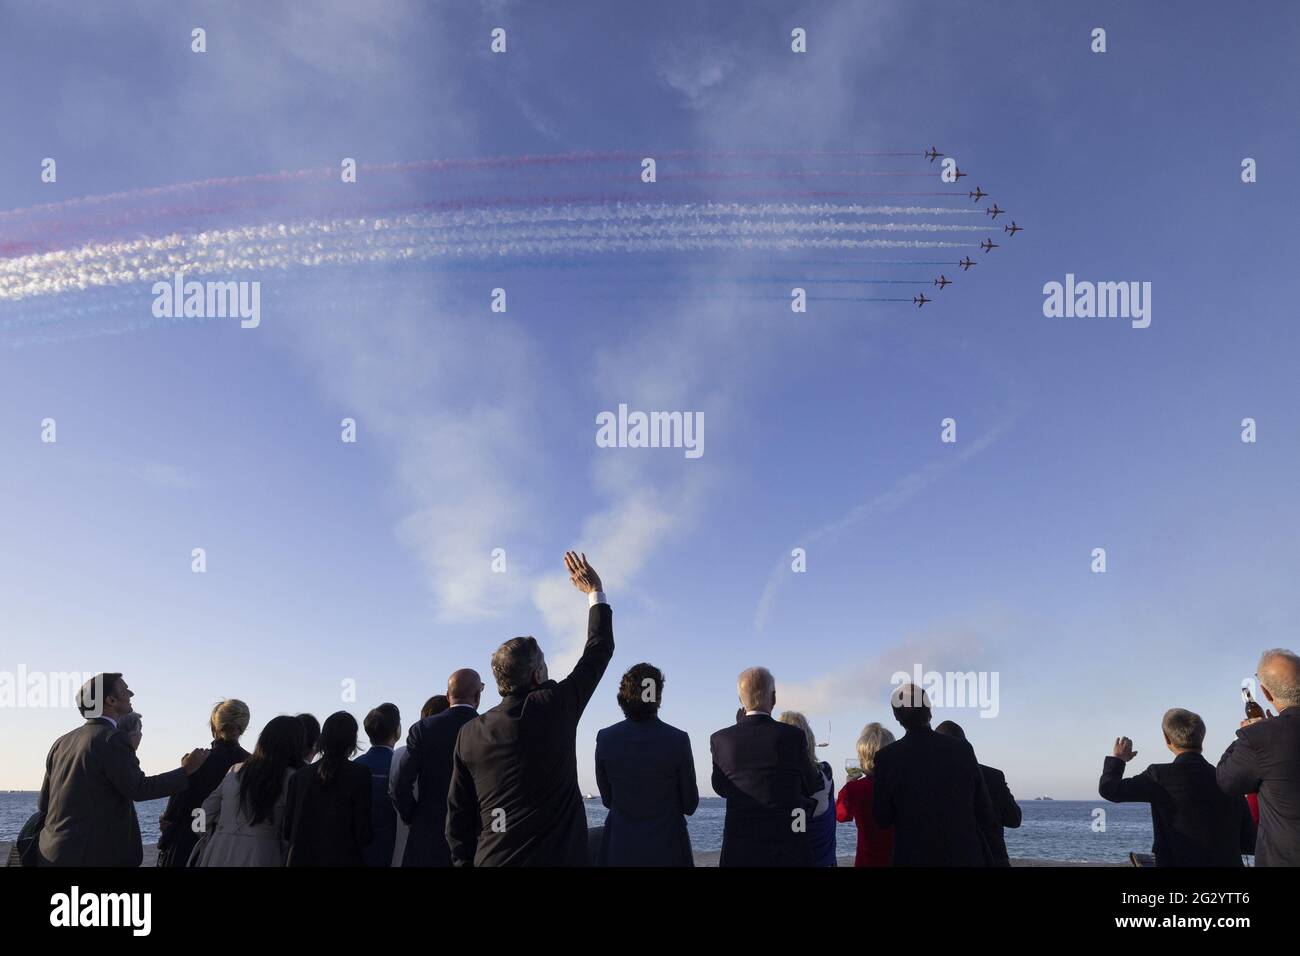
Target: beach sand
(702,858)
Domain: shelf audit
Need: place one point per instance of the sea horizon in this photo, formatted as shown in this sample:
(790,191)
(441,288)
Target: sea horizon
(1064,831)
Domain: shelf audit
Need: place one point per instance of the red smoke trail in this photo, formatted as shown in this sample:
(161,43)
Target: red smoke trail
(439,165)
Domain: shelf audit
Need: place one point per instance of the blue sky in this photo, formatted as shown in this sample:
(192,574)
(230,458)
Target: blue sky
(329,562)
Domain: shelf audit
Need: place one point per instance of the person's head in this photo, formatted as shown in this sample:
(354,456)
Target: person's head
(640,691)
(951,728)
(229,720)
(911,706)
(518,666)
(1279,678)
(873,737)
(1184,731)
(337,744)
(800,722)
(434,705)
(465,687)
(131,724)
(310,736)
(279,749)
(383,725)
(756,688)
(104,695)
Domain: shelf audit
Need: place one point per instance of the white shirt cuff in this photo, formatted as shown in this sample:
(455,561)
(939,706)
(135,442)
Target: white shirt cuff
(596,597)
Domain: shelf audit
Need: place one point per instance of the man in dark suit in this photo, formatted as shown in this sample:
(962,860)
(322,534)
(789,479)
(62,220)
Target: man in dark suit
(929,788)
(1265,759)
(761,768)
(1195,823)
(514,798)
(92,778)
(646,775)
(427,763)
(383,726)
(1006,812)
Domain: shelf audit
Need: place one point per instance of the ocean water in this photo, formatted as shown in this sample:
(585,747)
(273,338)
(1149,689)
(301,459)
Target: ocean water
(1051,829)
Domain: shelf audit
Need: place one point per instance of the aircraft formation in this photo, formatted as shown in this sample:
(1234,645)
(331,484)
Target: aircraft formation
(988,245)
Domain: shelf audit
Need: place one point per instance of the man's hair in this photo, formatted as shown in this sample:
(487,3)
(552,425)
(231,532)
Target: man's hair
(1284,687)
(1185,730)
(911,706)
(383,724)
(640,691)
(513,664)
(229,719)
(755,687)
(90,699)
(952,729)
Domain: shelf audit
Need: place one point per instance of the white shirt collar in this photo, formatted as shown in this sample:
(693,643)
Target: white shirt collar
(110,720)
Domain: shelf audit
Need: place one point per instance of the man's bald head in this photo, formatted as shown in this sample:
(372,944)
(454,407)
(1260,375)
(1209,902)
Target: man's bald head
(1279,676)
(464,687)
(756,688)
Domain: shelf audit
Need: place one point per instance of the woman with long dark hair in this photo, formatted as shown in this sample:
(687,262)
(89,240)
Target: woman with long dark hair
(245,814)
(328,819)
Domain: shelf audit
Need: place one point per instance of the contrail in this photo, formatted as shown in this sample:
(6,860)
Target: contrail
(57,235)
(419,237)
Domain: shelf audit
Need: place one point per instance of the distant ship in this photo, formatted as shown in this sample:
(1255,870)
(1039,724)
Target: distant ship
(1042,798)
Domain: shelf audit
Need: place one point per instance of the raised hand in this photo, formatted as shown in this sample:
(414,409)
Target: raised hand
(1124,749)
(193,760)
(582,574)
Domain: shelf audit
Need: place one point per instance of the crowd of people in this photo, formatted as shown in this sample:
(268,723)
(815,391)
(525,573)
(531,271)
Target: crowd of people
(500,788)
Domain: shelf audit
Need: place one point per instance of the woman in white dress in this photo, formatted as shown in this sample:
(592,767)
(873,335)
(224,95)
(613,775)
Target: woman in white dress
(243,816)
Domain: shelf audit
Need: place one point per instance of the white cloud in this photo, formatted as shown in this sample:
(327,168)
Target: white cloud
(864,687)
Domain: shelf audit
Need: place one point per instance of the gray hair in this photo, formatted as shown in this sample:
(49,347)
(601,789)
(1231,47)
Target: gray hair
(756,688)
(513,665)
(1185,730)
(1283,683)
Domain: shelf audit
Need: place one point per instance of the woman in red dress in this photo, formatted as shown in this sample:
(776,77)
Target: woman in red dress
(875,843)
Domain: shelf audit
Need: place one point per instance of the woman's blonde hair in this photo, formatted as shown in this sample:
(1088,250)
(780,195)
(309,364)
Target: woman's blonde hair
(229,719)
(872,738)
(796,719)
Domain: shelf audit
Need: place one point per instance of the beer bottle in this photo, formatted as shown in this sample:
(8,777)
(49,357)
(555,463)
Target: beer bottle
(1253,710)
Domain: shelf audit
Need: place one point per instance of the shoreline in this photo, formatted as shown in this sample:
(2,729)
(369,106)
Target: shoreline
(703,858)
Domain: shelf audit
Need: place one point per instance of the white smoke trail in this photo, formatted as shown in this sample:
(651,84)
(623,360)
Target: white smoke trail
(417,237)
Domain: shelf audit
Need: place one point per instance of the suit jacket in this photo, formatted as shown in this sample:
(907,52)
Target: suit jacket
(383,818)
(646,776)
(92,780)
(1006,813)
(1265,759)
(427,761)
(1195,823)
(177,841)
(929,788)
(761,768)
(328,824)
(514,798)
